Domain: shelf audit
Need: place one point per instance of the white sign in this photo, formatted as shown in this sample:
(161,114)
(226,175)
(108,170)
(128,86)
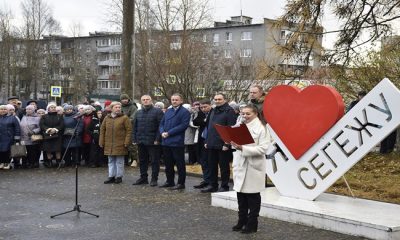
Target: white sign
(348,141)
(55,91)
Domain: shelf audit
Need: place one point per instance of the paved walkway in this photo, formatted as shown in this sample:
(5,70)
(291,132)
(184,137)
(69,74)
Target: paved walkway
(29,197)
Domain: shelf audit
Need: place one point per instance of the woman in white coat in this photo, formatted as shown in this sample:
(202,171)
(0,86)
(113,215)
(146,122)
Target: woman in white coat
(249,166)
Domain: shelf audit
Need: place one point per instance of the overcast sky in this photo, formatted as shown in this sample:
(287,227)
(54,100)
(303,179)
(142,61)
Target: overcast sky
(91,13)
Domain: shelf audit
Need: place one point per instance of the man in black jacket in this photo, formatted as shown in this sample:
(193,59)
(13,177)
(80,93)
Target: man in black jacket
(147,137)
(219,153)
(200,121)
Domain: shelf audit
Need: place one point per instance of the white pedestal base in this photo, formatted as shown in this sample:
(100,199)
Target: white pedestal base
(353,216)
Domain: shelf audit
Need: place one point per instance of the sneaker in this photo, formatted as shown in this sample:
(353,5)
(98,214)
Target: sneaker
(6,166)
(1,165)
(134,163)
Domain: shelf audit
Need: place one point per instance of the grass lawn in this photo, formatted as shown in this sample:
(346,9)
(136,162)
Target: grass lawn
(375,177)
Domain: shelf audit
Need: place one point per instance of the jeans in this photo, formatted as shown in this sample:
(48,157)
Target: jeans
(116,166)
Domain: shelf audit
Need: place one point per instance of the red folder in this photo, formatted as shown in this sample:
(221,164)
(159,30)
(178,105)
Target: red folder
(238,134)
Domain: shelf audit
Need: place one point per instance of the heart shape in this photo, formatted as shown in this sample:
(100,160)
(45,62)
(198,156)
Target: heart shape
(301,117)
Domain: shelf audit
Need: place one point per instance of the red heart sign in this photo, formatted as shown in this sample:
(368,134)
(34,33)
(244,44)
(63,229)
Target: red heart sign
(301,117)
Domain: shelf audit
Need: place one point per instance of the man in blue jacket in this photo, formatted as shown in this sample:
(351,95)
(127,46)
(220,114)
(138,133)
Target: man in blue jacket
(146,135)
(172,129)
(219,153)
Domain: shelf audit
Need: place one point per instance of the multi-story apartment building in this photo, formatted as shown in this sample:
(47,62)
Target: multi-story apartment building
(90,66)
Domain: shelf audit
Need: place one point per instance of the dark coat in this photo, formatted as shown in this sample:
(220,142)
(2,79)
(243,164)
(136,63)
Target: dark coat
(175,123)
(222,115)
(200,121)
(71,122)
(147,122)
(52,120)
(9,132)
(115,135)
(94,129)
(129,110)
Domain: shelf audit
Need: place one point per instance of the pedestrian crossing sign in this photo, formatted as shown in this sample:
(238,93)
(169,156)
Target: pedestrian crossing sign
(55,91)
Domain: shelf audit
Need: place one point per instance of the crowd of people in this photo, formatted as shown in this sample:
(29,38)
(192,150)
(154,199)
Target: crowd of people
(87,134)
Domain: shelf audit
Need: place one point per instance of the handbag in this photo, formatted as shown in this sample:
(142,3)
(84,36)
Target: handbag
(47,136)
(36,137)
(18,150)
(69,131)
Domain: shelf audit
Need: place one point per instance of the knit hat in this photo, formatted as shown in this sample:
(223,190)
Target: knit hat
(113,104)
(159,105)
(124,96)
(10,106)
(50,104)
(107,103)
(68,107)
(30,107)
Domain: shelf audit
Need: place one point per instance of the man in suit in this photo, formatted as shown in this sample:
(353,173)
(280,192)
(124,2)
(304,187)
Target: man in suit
(172,129)
(219,153)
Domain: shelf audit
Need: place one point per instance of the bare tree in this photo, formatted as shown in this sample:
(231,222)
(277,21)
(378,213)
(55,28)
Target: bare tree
(362,22)
(8,54)
(38,20)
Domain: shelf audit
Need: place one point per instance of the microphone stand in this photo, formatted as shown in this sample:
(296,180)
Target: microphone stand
(77,207)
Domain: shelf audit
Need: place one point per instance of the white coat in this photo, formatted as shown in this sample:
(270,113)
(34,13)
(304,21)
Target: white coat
(249,164)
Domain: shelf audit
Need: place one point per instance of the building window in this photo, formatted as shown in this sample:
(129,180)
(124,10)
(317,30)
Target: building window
(106,84)
(246,53)
(115,84)
(204,37)
(247,36)
(228,36)
(102,84)
(228,70)
(245,71)
(228,53)
(116,41)
(216,39)
(215,53)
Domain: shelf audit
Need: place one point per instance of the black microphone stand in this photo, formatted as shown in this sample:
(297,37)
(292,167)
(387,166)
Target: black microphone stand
(77,207)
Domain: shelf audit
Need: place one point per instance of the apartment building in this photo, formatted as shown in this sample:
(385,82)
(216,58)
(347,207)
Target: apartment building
(90,66)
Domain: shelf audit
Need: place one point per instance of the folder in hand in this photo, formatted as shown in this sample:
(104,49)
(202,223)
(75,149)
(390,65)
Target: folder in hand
(238,134)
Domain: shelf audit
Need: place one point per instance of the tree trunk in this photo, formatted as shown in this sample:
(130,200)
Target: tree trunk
(127,46)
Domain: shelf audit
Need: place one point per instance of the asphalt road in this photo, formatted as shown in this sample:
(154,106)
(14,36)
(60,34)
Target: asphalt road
(29,197)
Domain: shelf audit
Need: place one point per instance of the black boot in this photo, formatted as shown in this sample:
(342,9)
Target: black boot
(110,180)
(239,226)
(251,226)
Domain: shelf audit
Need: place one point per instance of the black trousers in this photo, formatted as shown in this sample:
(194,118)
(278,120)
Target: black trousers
(86,152)
(218,157)
(192,153)
(249,205)
(5,157)
(149,154)
(97,157)
(33,155)
(174,156)
(72,156)
(387,144)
